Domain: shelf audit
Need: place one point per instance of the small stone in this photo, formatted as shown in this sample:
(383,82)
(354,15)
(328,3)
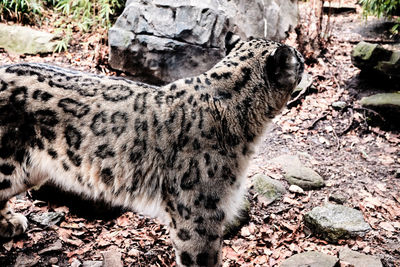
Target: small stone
(47,218)
(268,189)
(53,260)
(296,189)
(26,261)
(333,222)
(298,174)
(57,246)
(92,264)
(134,252)
(76,263)
(338,198)
(304,177)
(112,258)
(339,105)
(310,259)
(349,257)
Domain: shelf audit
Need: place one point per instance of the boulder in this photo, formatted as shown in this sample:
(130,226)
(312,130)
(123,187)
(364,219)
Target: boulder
(311,259)
(387,104)
(160,41)
(268,189)
(333,222)
(373,57)
(349,257)
(24,40)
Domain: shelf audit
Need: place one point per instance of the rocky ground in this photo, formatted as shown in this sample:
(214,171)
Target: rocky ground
(328,131)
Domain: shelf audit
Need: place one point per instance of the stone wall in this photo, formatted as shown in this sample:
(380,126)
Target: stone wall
(159,41)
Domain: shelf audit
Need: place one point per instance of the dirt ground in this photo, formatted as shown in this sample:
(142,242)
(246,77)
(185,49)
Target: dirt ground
(355,158)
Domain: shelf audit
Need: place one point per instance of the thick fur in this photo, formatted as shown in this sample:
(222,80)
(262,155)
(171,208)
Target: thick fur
(178,152)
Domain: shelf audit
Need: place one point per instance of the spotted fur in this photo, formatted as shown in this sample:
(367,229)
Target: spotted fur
(177,152)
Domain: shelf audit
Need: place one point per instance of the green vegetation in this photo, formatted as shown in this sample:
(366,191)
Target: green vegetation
(72,15)
(383,8)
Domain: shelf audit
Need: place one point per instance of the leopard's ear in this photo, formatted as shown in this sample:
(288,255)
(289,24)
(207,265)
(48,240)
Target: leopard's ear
(284,67)
(231,40)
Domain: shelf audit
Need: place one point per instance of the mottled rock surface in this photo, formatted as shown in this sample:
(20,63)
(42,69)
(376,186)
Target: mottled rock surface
(161,41)
(334,222)
(311,259)
(349,257)
(268,189)
(24,40)
(298,174)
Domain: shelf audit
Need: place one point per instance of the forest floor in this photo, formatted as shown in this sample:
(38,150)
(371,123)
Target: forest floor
(357,160)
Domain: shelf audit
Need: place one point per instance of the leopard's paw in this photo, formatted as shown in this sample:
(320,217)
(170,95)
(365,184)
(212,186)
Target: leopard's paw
(13,224)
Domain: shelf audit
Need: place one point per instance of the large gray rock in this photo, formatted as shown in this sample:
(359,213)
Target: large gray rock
(311,259)
(373,57)
(349,257)
(334,222)
(387,104)
(24,40)
(159,41)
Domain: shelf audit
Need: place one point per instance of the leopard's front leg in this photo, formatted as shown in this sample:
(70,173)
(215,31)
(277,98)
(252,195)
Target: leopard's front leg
(197,238)
(11,224)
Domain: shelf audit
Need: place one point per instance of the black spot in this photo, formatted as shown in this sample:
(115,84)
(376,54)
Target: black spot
(183,235)
(211,202)
(7,169)
(196,144)
(47,133)
(219,216)
(207,81)
(189,81)
(73,137)
(46,117)
(65,166)
(98,125)
(103,151)
(74,107)
(41,95)
(191,177)
(171,205)
(242,83)
(190,99)
(212,237)
(117,93)
(172,87)
(119,121)
(186,260)
(202,259)
(223,95)
(184,212)
(169,99)
(140,103)
(158,98)
(207,158)
(180,93)
(227,174)
(198,80)
(107,176)
(18,96)
(200,231)
(3,85)
(210,173)
(52,153)
(224,75)
(199,220)
(5,184)
(75,159)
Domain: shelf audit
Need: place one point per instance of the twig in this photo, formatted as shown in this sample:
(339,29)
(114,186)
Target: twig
(348,127)
(323,116)
(336,137)
(372,111)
